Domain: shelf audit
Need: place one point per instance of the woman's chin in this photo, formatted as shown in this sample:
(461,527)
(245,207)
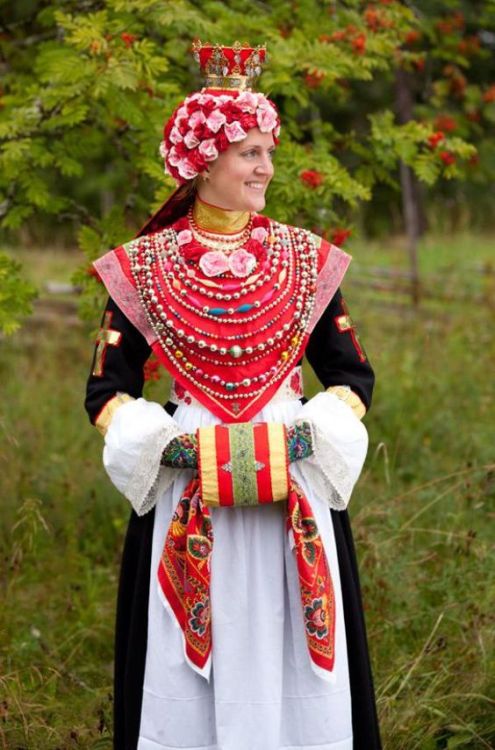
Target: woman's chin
(255,202)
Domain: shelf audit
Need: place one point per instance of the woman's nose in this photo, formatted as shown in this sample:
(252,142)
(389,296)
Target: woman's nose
(265,166)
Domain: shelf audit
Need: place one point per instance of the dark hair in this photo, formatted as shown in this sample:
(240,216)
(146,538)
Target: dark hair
(176,205)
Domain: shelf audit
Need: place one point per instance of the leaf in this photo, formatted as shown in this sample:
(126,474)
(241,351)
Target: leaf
(16,295)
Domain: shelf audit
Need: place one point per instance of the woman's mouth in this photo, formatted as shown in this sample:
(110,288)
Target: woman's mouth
(260,186)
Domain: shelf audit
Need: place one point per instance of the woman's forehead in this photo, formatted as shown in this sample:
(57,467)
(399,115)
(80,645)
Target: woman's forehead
(256,138)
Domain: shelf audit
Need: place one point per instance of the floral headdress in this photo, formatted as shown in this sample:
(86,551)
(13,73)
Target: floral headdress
(208,121)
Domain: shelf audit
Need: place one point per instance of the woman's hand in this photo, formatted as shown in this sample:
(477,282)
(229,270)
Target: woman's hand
(182,451)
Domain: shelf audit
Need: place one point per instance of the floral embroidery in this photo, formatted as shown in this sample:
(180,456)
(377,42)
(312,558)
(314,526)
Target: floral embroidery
(299,442)
(200,617)
(181,393)
(184,576)
(181,452)
(315,619)
(296,380)
(198,546)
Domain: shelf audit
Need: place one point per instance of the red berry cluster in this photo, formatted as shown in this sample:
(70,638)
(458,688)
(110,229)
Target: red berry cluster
(311,178)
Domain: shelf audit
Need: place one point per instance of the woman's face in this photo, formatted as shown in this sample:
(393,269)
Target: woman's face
(238,179)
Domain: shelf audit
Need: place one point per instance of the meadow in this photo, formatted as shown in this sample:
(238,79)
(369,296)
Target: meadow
(422,513)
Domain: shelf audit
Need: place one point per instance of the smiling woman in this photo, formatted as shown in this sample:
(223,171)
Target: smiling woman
(237,180)
(240,624)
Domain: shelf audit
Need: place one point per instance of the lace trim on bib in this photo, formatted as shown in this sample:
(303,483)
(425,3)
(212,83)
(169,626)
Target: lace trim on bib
(329,280)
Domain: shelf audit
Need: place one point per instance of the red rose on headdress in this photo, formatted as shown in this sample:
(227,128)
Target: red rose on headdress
(222,141)
(209,106)
(249,121)
(193,106)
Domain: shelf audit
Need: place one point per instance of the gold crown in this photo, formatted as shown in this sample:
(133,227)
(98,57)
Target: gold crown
(235,67)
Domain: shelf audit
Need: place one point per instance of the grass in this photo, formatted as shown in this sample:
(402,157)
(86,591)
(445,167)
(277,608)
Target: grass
(422,516)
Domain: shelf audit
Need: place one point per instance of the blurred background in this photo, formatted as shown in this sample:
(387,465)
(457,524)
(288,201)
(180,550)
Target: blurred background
(387,149)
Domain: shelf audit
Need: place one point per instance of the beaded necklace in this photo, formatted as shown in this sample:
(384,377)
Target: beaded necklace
(218,241)
(229,357)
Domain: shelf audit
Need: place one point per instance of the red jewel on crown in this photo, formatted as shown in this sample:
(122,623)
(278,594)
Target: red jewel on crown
(229,67)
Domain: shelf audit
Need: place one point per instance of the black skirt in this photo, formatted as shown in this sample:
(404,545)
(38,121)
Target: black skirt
(132,629)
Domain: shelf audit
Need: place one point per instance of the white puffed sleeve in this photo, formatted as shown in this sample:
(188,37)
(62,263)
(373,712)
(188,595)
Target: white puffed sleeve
(340,443)
(134,442)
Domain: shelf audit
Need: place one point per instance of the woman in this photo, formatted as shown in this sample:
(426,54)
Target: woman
(238,628)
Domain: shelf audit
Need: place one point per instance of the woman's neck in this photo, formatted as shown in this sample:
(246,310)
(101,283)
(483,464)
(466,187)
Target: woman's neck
(220,220)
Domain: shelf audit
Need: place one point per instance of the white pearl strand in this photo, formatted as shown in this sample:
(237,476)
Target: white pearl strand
(173,255)
(238,350)
(186,373)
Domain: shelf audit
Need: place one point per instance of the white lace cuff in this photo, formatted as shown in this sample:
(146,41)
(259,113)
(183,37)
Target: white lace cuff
(134,443)
(340,443)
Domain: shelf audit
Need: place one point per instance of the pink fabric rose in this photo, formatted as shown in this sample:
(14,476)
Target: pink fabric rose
(175,135)
(190,139)
(186,169)
(247,101)
(267,119)
(259,233)
(197,118)
(242,263)
(208,149)
(184,237)
(216,120)
(182,114)
(173,157)
(213,263)
(235,132)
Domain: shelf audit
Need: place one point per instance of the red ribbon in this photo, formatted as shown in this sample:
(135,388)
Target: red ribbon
(184,576)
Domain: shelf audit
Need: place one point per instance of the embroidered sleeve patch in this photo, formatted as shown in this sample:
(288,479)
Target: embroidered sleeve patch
(106,337)
(345,324)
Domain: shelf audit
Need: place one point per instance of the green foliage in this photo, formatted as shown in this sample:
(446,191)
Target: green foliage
(86,90)
(16,295)
(449,58)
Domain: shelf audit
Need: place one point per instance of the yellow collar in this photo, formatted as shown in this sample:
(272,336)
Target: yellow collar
(219,220)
